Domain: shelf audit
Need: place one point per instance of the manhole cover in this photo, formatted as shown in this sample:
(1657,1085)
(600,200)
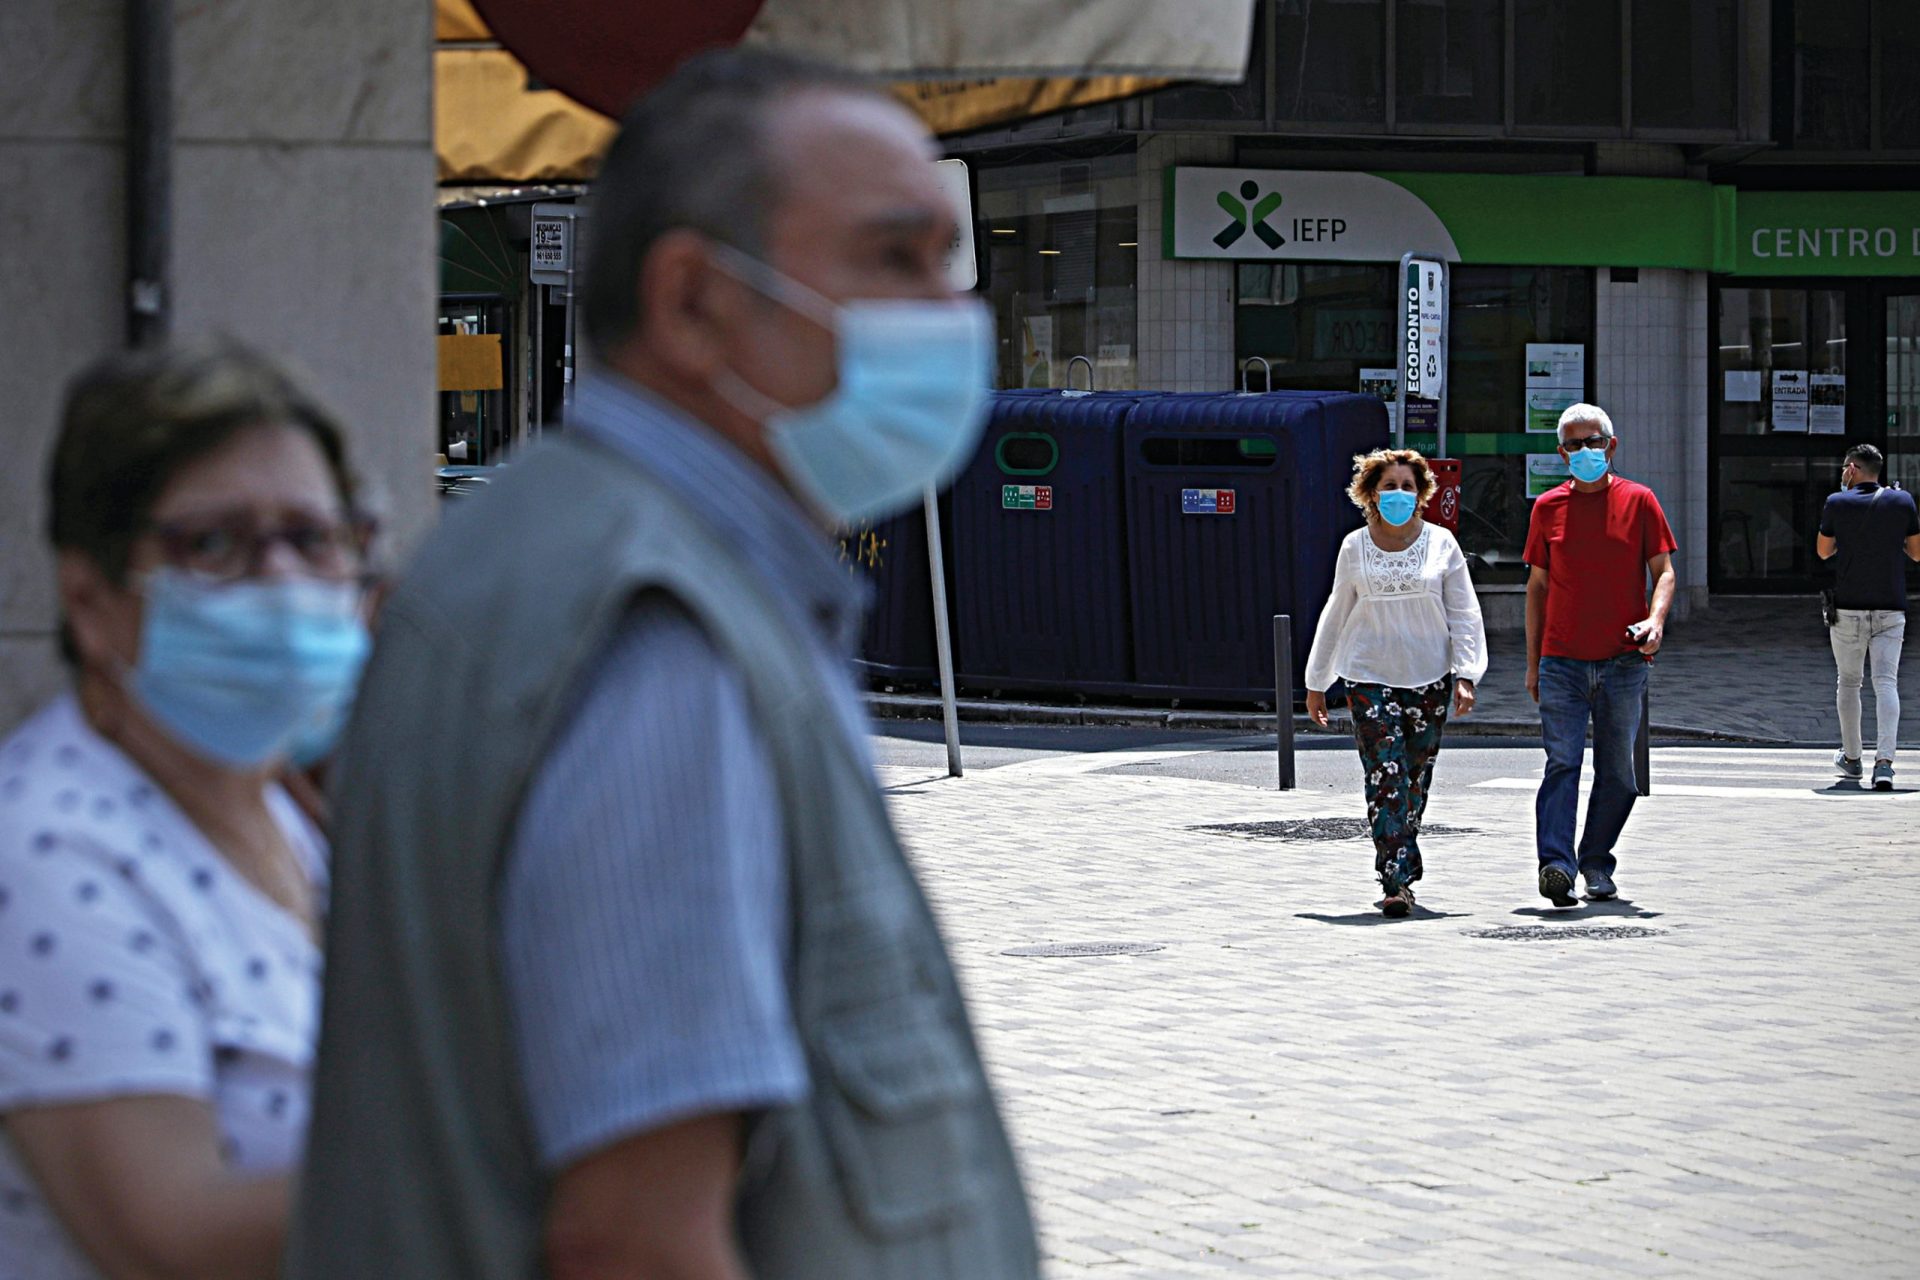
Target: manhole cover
(1318,829)
(1086,949)
(1555,932)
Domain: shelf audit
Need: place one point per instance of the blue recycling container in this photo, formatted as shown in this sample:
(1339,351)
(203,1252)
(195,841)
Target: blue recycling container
(1236,506)
(1039,547)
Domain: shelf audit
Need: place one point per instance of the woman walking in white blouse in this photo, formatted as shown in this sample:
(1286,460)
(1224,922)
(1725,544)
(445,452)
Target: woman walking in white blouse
(1403,629)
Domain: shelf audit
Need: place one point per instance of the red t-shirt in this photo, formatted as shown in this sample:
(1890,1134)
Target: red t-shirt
(1595,548)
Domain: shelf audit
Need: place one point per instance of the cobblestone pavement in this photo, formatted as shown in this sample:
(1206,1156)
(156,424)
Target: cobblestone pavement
(1712,1079)
(1747,667)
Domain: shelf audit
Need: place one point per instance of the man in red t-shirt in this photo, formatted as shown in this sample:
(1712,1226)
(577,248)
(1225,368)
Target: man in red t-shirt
(1591,633)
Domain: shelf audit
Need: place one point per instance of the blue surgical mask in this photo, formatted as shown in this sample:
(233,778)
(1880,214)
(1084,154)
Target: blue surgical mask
(242,672)
(1587,465)
(908,409)
(1397,506)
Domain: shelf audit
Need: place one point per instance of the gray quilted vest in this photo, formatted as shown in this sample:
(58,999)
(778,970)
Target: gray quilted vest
(421,1164)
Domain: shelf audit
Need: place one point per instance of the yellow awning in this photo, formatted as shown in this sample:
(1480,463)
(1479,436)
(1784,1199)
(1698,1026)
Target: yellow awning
(489,127)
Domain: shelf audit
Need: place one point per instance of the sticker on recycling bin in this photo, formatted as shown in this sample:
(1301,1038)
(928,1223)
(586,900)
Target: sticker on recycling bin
(1026,497)
(1206,502)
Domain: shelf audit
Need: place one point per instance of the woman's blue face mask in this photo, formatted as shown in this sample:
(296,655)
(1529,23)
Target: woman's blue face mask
(1397,506)
(248,672)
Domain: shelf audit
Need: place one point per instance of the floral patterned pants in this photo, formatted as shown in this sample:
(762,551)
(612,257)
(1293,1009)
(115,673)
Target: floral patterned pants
(1398,732)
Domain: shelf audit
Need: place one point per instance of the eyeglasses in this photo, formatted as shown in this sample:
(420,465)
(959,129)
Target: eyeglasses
(236,547)
(1591,442)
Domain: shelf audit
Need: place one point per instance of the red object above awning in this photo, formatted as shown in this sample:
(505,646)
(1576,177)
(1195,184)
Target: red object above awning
(605,53)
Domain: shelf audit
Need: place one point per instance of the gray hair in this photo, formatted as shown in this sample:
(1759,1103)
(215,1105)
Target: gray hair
(1591,414)
(690,154)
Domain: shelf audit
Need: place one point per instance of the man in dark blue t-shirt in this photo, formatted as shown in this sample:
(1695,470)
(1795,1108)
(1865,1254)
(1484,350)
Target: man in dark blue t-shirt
(1870,532)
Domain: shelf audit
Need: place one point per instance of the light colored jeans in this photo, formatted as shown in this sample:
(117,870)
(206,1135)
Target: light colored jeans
(1861,634)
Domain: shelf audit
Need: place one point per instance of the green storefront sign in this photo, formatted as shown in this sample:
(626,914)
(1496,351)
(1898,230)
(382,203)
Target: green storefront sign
(1535,220)
(1829,233)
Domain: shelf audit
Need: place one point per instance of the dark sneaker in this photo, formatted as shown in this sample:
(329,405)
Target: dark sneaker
(1601,889)
(1397,904)
(1883,775)
(1849,766)
(1557,886)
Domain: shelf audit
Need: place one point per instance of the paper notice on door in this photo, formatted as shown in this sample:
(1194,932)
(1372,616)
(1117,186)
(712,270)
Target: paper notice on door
(1384,383)
(1827,412)
(1544,471)
(1556,377)
(1790,399)
(1743,386)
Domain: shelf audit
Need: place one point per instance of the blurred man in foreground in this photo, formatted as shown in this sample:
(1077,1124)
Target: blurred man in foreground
(628,976)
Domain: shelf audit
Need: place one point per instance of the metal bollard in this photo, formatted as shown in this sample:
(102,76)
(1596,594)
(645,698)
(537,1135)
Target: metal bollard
(1643,744)
(1283,696)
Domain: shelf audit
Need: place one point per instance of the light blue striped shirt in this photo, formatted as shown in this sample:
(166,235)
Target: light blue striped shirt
(644,910)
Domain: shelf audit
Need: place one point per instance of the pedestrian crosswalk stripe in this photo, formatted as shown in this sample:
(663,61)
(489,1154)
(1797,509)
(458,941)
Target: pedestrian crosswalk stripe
(1697,791)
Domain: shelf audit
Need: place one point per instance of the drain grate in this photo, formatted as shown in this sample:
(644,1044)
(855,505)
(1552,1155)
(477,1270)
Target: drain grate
(1086,949)
(1303,829)
(1555,932)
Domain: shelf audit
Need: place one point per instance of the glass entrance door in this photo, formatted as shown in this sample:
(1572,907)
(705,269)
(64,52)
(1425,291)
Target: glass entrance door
(1783,417)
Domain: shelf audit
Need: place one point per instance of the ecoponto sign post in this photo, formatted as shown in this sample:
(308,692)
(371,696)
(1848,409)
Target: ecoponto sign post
(1422,347)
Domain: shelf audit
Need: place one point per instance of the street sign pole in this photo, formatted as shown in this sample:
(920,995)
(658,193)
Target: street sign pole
(1424,315)
(942,636)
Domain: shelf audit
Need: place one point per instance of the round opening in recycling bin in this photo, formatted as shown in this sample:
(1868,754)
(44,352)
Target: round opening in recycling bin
(1026,453)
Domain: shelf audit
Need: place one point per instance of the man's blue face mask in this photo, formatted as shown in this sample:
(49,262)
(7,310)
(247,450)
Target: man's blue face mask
(1587,464)
(908,408)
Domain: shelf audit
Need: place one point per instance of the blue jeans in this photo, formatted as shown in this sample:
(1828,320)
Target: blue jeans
(1572,692)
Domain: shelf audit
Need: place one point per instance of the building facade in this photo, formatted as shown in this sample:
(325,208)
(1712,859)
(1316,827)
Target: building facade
(1703,215)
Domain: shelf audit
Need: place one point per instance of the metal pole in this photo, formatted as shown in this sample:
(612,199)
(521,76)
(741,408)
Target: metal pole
(1446,374)
(566,356)
(942,638)
(1643,745)
(1283,696)
(149,110)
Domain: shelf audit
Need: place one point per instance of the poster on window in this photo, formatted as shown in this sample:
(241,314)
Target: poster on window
(1545,471)
(1384,384)
(1790,400)
(1556,377)
(1036,356)
(1827,410)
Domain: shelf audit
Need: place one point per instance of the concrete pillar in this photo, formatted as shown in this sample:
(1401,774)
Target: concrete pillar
(1185,309)
(1651,361)
(303,222)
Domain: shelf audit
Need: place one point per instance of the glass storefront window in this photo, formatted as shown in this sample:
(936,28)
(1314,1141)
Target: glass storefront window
(1209,103)
(1330,63)
(1899,87)
(1060,256)
(1903,390)
(1767,330)
(1683,64)
(1449,61)
(1567,63)
(476,427)
(1833,75)
(1331,327)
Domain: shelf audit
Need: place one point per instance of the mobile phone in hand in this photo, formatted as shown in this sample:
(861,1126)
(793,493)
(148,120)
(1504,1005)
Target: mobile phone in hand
(1637,633)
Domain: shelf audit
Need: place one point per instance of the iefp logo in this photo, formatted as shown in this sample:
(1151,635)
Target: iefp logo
(1251,210)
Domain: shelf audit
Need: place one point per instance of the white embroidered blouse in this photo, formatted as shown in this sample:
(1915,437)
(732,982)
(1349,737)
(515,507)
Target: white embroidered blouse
(1399,618)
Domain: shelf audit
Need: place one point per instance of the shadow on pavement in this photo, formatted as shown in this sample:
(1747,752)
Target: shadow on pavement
(1851,787)
(1374,917)
(1587,910)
